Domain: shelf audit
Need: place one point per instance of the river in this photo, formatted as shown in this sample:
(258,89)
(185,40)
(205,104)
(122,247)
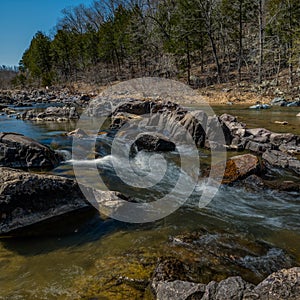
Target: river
(64,262)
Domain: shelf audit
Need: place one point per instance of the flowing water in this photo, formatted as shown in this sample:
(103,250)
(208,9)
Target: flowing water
(64,262)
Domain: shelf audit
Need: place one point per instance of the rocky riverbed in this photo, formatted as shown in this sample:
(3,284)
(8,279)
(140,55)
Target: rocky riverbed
(205,264)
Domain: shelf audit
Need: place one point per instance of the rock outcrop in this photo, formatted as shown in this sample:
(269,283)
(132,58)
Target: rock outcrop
(19,151)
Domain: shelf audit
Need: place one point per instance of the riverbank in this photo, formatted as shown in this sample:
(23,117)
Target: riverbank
(228,93)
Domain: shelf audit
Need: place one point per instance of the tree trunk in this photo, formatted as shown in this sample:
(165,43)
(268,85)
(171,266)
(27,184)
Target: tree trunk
(240,41)
(261,39)
(188,62)
(215,54)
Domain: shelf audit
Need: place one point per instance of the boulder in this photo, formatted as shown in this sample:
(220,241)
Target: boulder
(120,119)
(236,128)
(177,289)
(163,117)
(284,284)
(213,132)
(260,135)
(240,167)
(27,198)
(257,147)
(19,151)
(195,123)
(275,158)
(153,142)
(278,139)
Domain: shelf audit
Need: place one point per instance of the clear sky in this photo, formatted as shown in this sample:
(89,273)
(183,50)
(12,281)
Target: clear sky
(21,19)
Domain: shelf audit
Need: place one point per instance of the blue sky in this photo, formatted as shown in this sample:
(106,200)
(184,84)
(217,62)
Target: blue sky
(21,19)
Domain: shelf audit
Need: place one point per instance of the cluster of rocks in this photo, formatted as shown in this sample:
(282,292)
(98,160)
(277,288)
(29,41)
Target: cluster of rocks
(277,150)
(27,98)
(220,257)
(53,113)
(284,284)
(280,101)
(27,198)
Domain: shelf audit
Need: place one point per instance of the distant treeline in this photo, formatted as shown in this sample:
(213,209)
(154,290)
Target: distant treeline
(7,75)
(202,41)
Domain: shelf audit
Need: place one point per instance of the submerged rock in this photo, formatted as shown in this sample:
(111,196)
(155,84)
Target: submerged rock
(19,151)
(78,133)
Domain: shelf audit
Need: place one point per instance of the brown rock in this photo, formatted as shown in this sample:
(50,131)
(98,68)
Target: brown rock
(239,167)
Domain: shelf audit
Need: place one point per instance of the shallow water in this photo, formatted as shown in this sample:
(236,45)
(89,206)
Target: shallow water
(265,118)
(59,264)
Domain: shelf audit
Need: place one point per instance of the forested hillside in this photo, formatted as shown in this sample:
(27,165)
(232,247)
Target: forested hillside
(202,42)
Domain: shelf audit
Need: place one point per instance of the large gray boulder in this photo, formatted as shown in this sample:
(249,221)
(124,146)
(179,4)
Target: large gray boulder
(27,198)
(19,151)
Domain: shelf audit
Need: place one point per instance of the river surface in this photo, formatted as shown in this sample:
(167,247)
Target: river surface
(60,263)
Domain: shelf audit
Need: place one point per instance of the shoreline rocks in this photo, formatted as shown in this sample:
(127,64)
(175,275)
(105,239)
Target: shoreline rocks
(52,113)
(283,284)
